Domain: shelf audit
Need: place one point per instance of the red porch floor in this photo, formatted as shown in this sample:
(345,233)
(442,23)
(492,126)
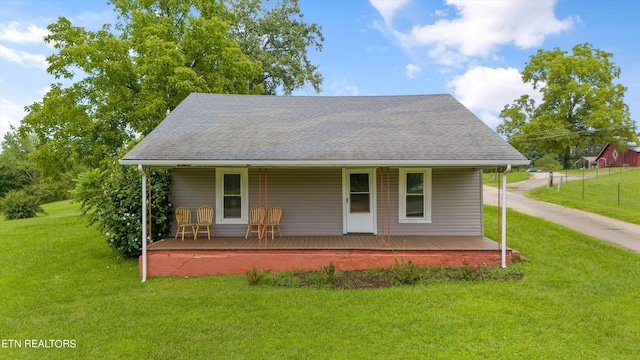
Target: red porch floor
(233,255)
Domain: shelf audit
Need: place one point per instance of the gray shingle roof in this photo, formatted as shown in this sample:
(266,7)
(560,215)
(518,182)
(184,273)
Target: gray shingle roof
(213,129)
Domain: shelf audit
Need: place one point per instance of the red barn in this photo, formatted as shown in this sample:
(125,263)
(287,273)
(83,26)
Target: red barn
(609,156)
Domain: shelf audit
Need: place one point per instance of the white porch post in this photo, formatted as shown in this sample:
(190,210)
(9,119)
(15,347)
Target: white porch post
(144,223)
(504,216)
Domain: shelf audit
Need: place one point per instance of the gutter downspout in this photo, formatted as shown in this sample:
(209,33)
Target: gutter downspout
(144,222)
(504,216)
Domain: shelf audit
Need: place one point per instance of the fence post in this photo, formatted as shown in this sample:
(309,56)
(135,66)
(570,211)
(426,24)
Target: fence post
(583,184)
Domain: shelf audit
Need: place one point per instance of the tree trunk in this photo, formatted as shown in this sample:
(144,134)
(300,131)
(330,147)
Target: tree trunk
(567,158)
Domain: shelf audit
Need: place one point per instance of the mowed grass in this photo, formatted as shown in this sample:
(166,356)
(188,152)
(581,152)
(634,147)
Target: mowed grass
(490,177)
(59,280)
(600,194)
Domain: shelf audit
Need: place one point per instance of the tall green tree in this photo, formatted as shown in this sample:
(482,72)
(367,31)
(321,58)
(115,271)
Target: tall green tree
(16,171)
(126,77)
(22,186)
(580,103)
(276,35)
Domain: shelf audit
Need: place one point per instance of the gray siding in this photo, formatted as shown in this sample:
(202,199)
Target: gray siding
(456,204)
(311,199)
(192,187)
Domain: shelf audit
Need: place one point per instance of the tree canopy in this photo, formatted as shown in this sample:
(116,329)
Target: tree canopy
(126,77)
(580,103)
(278,39)
(22,186)
(15,170)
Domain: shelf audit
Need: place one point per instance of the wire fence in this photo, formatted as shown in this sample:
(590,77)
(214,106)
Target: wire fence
(615,189)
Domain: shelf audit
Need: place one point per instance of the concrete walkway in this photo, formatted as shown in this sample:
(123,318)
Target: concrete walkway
(614,231)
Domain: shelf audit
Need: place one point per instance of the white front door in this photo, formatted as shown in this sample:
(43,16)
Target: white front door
(359,200)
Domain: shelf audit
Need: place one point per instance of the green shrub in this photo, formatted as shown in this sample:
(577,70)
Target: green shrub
(406,273)
(467,272)
(254,276)
(18,204)
(47,191)
(329,274)
(112,199)
(548,162)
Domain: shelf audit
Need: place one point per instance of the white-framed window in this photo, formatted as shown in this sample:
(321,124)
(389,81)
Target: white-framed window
(414,190)
(232,195)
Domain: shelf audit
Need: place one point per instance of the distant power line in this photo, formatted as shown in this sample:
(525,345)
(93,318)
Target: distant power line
(555,135)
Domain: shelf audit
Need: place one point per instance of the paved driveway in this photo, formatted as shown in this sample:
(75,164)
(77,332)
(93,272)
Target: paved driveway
(617,232)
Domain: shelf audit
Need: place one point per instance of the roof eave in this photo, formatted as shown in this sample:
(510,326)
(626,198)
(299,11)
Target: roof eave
(323,163)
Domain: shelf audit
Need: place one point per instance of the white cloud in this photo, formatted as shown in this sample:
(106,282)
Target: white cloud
(10,114)
(23,57)
(388,8)
(412,70)
(440,12)
(343,88)
(43,91)
(486,91)
(19,34)
(489,118)
(481,26)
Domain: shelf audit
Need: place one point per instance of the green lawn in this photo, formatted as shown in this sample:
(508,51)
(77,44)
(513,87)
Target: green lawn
(600,194)
(593,171)
(489,177)
(58,280)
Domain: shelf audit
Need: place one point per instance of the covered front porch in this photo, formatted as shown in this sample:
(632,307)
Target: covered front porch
(234,255)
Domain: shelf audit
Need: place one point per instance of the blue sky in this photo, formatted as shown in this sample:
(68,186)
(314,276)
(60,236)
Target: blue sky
(471,49)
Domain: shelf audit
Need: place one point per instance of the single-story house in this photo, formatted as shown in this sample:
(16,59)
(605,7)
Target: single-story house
(587,162)
(610,157)
(362,181)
